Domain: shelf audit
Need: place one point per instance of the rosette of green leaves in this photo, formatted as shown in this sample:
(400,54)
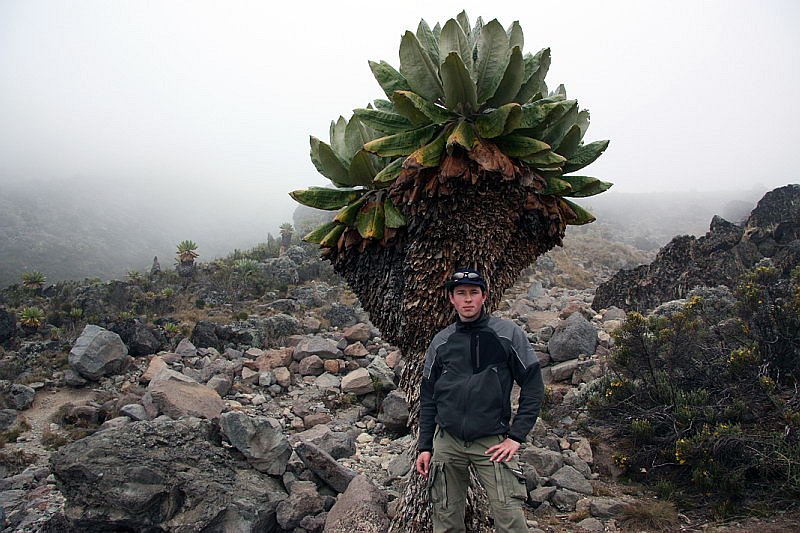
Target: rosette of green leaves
(460,86)
(359,193)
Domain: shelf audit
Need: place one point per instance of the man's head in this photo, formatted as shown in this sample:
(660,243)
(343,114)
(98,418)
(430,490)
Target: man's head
(467,290)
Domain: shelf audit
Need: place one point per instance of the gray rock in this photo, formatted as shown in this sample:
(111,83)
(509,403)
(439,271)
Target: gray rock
(160,476)
(327,381)
(545,461)
(565,499)
(606,507)
(186,349)
(340,315)
(360,509)
(204,335)
(591,524)
(311,366)
(140,339)
(221,383)
(572,337)
(542,494)
(563,371)
(394,411)
(324,466)
(382,375)
(359,382)
(134,411)
(73,379)
(569,478)
(536,290)
(8,324)
(303,501)
(260,439)
(98,352)
(571,458)
(339,444)
(614,313)
(323,348)
(8,417)
(282,376)
(177,395)
(16,396)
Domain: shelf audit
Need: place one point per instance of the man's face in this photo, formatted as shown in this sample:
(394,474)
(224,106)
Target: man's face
(467,301)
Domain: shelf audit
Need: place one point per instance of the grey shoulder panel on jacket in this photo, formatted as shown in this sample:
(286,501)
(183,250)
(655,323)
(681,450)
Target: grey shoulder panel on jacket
(506,329)
(430,355)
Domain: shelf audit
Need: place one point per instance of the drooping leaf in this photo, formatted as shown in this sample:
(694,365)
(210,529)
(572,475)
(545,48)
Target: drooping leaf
(535,71)
(556,133)
(519,145)
(327,162)
(428,40)
(326,198)
(462,135)
(429,155)
(370,221)
(332,238)
(390,171)
(459,90)
(493,57)
(348,215)
(401,143)
(545,159)
(557,186)
(538,116)
(409,102)
(318,234)
(361,169)
(454,39)
(585,155)
(388,78)
(570,142)
(511,82)
(515,35)
(499,121)
(394,218)
(583,186)
(418,69)
(386,122)
(338,131)
(583,216)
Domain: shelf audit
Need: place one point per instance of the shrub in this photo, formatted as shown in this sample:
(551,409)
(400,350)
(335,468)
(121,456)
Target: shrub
(709,400)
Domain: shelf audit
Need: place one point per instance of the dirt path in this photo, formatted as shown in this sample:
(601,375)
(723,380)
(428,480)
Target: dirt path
(39,416)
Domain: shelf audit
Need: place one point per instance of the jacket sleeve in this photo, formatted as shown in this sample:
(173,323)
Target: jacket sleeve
(528,375)
(427,406)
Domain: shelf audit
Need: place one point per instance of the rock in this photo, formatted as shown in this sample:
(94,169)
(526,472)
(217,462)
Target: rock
(303,501)
(204,335)
(8,325)
(311,366)
(382,375)
(584,450)
(186,349)
(591,524)
(394,411)
(8,417)
(327,381)
(134,411)
(338,444)
(221,383)
(614,313)
(73,379)
(324,466)
(569,478)
(316,419)
(563,371)
(280,271)
(16,396)
(260,439)
(249,376)
(139,338)
(572,337)
(161,476)
(542,494)
(98,352)
(358,382)
(393,358)
(340,315)
(565,500)
(360,509)
(357,333)
(155,366)
(332,365)
(177,395)
(323,348)
(545,461)
(356,350)
(311,324)
(536,290)
(283,377)
(571,458)
(606,507)
(270,359)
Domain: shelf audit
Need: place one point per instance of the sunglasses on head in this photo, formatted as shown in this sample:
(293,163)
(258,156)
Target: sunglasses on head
(461,275)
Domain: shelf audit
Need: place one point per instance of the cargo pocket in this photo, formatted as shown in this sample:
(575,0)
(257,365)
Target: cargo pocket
(513,481)
(437,486)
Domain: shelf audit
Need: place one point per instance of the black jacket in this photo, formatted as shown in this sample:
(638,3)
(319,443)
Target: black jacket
(467,380)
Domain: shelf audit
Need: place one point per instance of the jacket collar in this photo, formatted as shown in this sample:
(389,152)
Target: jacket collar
(477,323)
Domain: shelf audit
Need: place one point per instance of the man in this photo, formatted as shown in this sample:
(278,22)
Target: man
(465,409)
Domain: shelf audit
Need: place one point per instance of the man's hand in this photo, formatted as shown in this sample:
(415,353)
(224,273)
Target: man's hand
(423,463)
(503,451)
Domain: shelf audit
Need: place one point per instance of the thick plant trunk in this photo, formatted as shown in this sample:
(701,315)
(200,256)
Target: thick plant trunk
(483,225)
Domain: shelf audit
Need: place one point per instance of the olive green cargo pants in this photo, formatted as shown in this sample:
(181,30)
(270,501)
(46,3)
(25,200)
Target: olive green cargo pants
(448,481)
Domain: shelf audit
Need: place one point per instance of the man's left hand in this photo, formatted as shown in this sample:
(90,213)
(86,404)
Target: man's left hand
(503,451)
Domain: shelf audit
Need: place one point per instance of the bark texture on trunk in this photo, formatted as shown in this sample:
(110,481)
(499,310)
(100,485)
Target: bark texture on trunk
(470,218)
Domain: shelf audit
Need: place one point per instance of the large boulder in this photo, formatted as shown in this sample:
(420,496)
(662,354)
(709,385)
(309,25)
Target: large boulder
(322,348)
(338,444)
(260,439)
(394,411)
(360,509)
(8,325)
(572,337)
(15,395)
(178,395)
(303,501)
(162,475)
(337,476)
(98,352)
(204,335)
(139,338)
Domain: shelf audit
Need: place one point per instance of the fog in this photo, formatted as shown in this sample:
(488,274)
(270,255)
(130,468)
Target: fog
(199,112)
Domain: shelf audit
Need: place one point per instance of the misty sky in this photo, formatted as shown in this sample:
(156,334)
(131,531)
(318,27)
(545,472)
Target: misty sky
(214,101)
